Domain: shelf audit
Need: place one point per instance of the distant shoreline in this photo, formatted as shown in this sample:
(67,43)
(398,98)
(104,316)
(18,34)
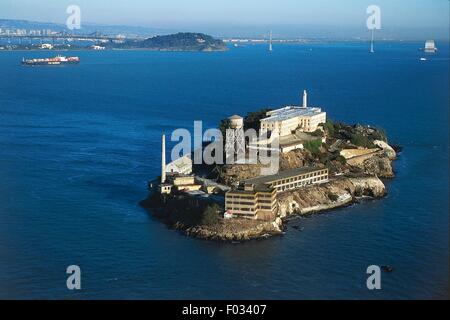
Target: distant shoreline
(229,45)
(136,49)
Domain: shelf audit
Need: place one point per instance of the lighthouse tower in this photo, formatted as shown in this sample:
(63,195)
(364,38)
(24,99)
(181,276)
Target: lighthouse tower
(305,99)
(164,188)
(163,159)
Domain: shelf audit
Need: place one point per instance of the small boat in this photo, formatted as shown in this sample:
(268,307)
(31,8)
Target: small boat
(58,60)
(423,59)
(387,268)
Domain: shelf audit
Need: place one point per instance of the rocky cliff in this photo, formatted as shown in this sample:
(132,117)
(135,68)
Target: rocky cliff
(237,230)
(379,165)
(387,149)
(294,159)
(337,193)
(231,174)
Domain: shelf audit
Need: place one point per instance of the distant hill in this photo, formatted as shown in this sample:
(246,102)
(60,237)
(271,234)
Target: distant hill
(183,41)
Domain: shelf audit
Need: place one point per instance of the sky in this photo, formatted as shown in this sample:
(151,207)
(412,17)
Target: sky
(413,15)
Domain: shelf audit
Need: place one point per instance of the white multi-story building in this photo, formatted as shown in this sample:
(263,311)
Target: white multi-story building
(284,121)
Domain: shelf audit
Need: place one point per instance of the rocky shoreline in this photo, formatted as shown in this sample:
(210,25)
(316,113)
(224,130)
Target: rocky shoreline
(310,200)
(315,199)
(337,193)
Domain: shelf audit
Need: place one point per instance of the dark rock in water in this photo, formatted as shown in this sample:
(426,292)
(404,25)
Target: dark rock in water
(397,148)
(296,227)
(387,268)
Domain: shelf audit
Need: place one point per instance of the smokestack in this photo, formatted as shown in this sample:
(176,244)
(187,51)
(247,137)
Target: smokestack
(305,99)
(163,159)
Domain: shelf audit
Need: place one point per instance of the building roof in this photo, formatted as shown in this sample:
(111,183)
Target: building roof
(291,112)
(235,117)
(296,138)
(261,187)
(281,175)
(175,175)
(182,164)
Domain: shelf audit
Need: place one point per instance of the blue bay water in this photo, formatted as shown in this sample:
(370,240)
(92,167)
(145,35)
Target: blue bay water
(78,143)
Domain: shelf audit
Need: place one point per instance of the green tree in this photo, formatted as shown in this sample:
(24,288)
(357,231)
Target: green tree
(252,120)
(361,141)
(341,159)
(313,146)
(329,128)
(333,197)
(317,133)
(210,215)
(223,126)
(379,134)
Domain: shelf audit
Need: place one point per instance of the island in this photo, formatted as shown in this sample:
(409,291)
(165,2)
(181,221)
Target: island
(323,165)
(183,41)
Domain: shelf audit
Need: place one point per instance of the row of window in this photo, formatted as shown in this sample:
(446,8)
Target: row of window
(265,195)
(302,177)
(247,211)
(241,203)
(239,196)
(265,201)
(301,184)
(249,196)
(243,200)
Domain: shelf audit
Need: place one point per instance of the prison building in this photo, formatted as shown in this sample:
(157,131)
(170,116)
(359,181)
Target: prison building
(252,201)
(176,178)
(256,198)
(292,179)
(286,120)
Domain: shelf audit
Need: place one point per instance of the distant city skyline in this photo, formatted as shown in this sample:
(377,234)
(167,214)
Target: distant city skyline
(402,18)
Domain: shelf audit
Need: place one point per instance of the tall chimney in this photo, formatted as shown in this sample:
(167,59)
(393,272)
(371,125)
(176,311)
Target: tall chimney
(305,99)
(163,159)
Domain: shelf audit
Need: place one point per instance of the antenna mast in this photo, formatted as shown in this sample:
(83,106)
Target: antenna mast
(270,41)
(371,42)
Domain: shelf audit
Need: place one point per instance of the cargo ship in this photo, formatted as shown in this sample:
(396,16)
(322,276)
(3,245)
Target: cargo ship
(430,47)
(58,60)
